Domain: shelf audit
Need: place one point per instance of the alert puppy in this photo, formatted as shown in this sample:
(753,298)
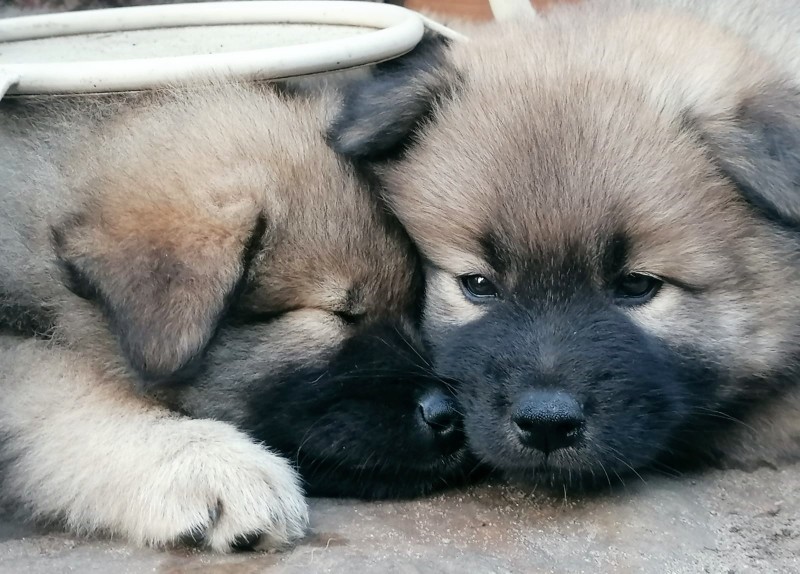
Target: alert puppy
(206,249)
(608,202)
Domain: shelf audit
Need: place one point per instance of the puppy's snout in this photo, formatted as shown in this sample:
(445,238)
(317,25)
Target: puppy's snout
(548,420)
(439,412)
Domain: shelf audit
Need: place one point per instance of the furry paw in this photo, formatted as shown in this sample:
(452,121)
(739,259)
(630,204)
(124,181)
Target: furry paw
(109,463)
(220,490)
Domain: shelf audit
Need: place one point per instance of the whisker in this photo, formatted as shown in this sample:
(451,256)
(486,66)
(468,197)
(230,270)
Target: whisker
(425,366)
(721,415)
(665,470)
(608,478)
(306,437)
(618,455)
(619,478)
(410,346)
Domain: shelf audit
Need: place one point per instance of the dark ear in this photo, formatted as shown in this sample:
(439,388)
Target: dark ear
(163,275)
(379,113)
(759,149)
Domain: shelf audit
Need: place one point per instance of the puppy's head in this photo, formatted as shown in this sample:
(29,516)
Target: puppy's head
(610,234)
(249,275)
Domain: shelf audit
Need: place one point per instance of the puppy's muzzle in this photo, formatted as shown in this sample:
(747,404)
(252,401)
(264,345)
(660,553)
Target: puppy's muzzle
(439,413)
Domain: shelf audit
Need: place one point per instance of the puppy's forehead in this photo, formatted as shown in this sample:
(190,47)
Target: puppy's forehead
(562,127)
(327,243)
(333,248)
(558,171)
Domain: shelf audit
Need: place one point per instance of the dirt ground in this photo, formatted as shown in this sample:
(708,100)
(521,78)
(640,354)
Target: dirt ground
(721,521)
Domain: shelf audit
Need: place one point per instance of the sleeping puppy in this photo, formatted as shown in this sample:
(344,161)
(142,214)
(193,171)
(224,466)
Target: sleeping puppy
(206,251)
(608,202)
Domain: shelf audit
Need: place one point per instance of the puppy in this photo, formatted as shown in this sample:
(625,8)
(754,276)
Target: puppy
(608,202)
(205,251)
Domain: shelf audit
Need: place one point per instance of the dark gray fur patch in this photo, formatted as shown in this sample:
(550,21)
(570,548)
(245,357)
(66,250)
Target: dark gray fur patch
(759,150)
(380,114)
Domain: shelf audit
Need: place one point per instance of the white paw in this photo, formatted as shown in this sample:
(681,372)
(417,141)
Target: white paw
(85,453)
(217,488)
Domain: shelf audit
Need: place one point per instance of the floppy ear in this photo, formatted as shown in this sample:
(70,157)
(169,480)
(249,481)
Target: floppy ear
(759,149)
(163,273)
(378,114)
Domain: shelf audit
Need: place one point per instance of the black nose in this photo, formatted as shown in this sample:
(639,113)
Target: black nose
(548,420)
(439,412)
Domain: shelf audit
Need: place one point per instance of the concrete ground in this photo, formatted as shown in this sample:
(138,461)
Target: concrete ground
(721,521)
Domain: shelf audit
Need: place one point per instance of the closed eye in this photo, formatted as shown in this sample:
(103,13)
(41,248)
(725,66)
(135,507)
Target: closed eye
(349,318)
(245,317)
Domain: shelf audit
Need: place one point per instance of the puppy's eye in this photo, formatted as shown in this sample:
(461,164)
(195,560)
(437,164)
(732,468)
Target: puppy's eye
(637,288)
(478,287)
(246,317)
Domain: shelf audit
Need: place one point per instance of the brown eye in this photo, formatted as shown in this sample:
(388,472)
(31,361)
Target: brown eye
(478,287)
(637,288)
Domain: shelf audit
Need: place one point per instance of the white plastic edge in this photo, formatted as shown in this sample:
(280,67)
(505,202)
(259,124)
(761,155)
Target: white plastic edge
(510,9)
(400,30)
(6,81)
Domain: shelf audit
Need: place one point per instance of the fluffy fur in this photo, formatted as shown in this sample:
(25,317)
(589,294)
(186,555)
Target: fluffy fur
(208,250)
(566,158)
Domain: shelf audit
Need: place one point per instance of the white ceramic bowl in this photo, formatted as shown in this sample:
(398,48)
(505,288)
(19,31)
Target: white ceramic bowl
(121,49)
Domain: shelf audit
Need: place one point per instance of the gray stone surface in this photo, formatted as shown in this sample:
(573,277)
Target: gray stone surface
(721,521)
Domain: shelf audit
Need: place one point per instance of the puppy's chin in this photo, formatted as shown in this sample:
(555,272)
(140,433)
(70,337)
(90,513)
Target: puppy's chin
(369,421)
(384,479)
(378,446)
(612,447)
(574,469)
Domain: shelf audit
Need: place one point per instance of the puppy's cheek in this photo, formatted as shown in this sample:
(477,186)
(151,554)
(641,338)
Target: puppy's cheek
(320,325)
(307,333)
(719,326)
(687,324)
(660,316)
(447,308)
(300,338)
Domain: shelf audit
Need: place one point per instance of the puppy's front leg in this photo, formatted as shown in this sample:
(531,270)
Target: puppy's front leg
(767,437)
(79,447)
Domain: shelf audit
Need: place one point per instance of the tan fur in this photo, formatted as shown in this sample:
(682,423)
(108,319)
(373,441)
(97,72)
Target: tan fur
(89,453)
(450,203)
(153,201)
